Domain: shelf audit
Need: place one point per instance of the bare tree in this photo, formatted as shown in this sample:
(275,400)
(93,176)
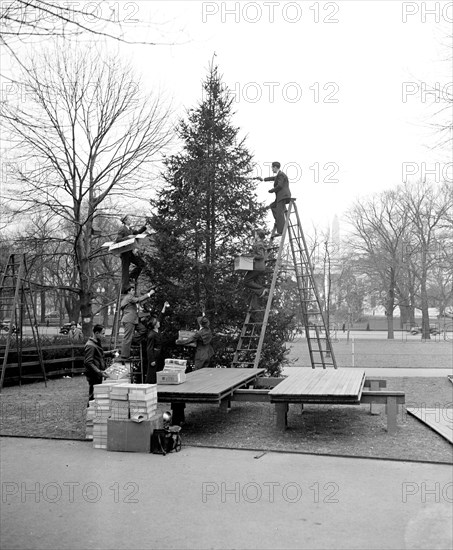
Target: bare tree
(91,136)
(28,19)
(428,209)
(379,229)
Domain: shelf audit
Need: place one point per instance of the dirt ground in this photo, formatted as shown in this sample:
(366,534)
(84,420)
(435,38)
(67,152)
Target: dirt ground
(59,411)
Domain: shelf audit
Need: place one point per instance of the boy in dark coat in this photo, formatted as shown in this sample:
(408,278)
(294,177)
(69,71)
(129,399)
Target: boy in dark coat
(94,359)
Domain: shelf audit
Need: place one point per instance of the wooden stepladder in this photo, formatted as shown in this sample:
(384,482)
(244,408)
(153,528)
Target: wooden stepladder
(251,339)
(16,306)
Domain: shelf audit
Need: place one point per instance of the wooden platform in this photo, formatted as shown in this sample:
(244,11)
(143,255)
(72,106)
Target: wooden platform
(438,419)
(207,385)
(328,386)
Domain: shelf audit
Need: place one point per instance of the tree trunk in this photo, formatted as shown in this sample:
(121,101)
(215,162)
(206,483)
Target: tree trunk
(390,305)
(424,307)
(42,313)
(105,316)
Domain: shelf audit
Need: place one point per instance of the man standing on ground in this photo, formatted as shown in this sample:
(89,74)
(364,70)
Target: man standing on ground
(130,318)
(94,359)
(282,196)
(130,257)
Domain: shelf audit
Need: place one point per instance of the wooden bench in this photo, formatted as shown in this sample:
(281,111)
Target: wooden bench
(374,395)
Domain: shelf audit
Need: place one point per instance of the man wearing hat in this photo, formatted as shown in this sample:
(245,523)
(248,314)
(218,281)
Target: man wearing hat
(128,258)
(282,196)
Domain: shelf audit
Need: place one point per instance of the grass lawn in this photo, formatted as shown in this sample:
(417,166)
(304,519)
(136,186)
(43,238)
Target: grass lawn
(59,411)
(381,353)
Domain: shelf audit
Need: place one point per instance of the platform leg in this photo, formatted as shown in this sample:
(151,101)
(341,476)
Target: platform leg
(374,386)
(301,408)
(178,412)
(392,413)
(282,415)
(225,405)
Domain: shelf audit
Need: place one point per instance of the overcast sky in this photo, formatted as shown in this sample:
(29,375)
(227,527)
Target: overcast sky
(332,90)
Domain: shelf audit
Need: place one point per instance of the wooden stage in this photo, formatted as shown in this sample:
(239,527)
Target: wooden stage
(306,386)
(327,386)
(205,386)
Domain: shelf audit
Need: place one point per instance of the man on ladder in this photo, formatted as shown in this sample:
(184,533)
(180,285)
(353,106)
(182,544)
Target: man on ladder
(253,278)
(130,257)
(282,196)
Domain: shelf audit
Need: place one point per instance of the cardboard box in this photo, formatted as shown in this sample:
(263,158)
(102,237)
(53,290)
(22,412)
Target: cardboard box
(166,377)
(132,437)
(244,262)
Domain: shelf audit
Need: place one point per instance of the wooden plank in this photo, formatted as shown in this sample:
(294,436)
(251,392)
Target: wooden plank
(381,397)
(207,385)
(369,382)
(261,396)
(439,419)
(46,362)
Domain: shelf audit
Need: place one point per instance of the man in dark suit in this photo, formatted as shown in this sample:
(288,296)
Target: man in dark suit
(128,258)
(282,196)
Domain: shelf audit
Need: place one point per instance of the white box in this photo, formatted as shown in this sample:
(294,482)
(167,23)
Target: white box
(165,377)
(244,262)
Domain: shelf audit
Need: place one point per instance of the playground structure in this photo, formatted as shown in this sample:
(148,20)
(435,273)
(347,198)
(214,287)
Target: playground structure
(16,304)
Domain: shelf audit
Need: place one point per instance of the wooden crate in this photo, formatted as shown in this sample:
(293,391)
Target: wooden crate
(244,262)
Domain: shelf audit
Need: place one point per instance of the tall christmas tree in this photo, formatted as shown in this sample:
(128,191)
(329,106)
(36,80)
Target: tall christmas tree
(205,211)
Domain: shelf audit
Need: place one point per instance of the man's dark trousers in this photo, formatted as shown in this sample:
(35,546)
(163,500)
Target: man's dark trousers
(92,380)
(279,211)
(127,259)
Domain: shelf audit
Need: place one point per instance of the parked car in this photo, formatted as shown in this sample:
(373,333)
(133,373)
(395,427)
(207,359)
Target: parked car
(416,329)
(64,329)
(4,326)
(53,315)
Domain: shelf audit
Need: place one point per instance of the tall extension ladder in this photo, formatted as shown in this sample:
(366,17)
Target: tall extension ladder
(251,339)
(16,303)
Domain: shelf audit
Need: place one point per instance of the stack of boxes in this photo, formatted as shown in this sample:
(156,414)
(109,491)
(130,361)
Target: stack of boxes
(91,413)
(132,431)
(123,416)
(119,401)
(143,401)
(173,373)
(101,415)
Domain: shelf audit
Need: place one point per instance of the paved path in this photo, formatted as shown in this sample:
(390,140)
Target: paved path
(385,372)
(65,494)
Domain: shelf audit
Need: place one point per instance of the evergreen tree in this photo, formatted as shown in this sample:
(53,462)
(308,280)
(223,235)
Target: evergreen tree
(204,211)
(205,214)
